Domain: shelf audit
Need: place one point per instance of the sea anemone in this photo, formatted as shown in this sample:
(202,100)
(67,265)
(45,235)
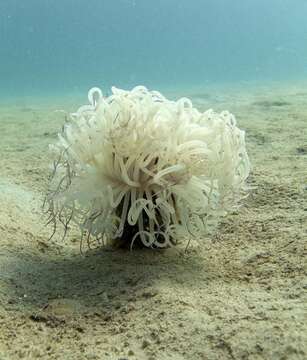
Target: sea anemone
(137,167)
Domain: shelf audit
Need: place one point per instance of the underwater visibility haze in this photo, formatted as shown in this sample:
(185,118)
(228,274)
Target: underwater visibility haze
(57,46)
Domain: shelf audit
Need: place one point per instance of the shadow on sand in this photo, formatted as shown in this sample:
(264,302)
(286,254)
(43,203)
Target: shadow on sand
(99,281)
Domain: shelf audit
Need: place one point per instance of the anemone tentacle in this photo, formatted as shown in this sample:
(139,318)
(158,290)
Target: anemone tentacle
(140,159)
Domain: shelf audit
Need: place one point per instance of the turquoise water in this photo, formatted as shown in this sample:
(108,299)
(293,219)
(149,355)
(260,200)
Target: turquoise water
(67,46)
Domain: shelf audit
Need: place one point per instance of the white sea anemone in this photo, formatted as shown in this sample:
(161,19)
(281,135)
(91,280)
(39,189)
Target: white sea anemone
(137,166)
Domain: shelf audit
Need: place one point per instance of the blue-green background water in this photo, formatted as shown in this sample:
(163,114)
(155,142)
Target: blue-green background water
(58,46)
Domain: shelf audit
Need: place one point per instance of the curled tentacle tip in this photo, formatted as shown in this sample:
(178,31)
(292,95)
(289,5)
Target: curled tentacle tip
(94,95)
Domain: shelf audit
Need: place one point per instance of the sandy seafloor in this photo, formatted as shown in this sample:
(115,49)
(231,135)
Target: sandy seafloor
(239,294)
